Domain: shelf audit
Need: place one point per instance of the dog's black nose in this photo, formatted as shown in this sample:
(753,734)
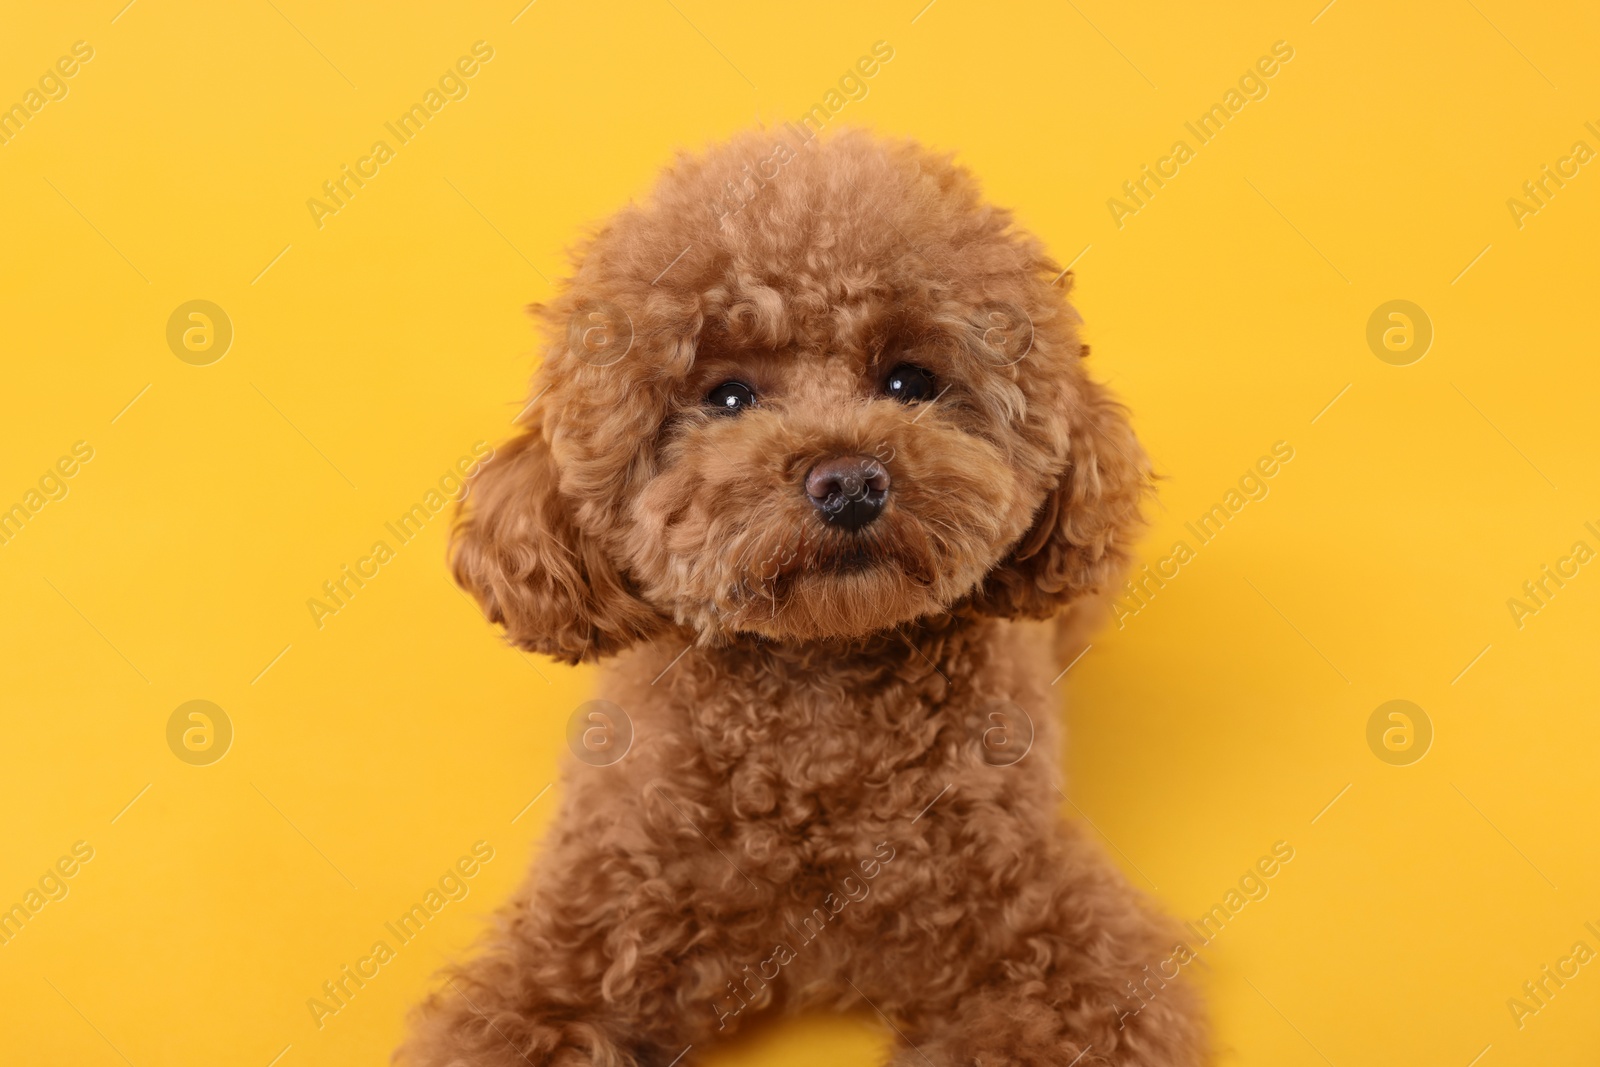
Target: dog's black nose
(850,491)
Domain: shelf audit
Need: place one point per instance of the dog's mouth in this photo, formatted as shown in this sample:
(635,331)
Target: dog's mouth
(818,577)
(885,545)
(848,555)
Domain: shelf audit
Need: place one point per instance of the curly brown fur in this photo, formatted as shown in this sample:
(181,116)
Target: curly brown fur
(818,808)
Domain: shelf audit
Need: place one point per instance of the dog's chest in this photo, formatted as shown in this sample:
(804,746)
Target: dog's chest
(814,764)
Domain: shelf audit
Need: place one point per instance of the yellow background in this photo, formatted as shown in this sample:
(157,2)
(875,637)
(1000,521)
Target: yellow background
(377,350)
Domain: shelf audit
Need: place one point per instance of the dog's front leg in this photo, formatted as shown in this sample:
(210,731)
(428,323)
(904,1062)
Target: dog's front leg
(1065,967)
(617,953)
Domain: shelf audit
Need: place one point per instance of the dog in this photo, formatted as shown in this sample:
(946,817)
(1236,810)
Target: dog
(811,462)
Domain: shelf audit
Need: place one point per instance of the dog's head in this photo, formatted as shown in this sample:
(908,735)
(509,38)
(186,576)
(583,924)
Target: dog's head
(805,392)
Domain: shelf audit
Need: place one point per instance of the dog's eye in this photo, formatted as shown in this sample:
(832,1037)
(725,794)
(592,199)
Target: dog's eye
(909,384)
(730,398)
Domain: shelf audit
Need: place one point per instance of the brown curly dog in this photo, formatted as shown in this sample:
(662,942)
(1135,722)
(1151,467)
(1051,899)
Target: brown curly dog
(811,446)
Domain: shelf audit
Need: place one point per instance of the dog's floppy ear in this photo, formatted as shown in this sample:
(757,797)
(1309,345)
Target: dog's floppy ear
(517,550)
(1083,533)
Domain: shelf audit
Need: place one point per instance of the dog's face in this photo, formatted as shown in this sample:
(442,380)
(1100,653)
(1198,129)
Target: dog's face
(805,393)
